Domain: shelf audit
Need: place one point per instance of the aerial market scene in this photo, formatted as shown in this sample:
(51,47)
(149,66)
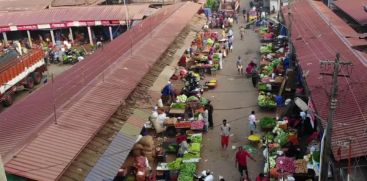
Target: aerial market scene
(171,90)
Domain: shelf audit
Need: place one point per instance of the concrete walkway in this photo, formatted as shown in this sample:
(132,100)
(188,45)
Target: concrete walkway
(233,99)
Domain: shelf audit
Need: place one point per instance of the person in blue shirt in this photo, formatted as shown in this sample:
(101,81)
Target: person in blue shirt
(167,93)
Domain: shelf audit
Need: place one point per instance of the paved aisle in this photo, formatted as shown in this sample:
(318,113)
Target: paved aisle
(233,99)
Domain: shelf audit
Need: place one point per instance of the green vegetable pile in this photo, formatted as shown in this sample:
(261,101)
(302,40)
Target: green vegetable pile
(191,155)
(265,49)
(269,136)
(282,138)
(178,105)
(196,138)
(175,165)
(266,101)
(192,98)
(262,87)
(267,122)
(195,147)
(187,171)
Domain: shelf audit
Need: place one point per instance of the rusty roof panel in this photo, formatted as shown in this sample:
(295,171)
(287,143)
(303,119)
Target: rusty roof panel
(56,3)
(70,14)
(316,40)
(354,9)
(21,5)
(79,118)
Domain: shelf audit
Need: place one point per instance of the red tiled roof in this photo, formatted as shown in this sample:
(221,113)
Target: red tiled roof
(354,8)
(94,88)
(70,14)
(315,40)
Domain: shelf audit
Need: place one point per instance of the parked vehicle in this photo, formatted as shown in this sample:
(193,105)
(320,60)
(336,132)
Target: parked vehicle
(20,71)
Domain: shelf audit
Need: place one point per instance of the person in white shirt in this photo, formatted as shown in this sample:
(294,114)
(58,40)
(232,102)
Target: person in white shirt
(225,132)
(252,122)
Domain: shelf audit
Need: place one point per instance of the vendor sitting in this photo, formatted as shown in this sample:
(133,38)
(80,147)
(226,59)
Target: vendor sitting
(292,151)
(184,147)
(181,136)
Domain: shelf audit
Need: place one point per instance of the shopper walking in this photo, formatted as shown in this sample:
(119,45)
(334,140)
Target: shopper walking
(239,65)
(225,132)
(241,161)
(242,32)
(254,76)
(252,122)
(210,109)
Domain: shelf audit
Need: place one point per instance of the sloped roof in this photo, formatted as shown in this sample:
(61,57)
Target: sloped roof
(21,5)
(70,14)
(353,8)
(86,96)
(56,3)
(317,39)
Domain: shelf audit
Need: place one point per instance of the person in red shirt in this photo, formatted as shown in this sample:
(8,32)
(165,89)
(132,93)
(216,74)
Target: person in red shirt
(241,161)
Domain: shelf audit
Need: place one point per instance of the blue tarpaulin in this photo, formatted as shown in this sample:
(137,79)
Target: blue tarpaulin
(208,12)
(283,30)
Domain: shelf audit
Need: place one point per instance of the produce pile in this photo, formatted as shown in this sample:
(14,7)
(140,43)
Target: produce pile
(266,100)
(178,105)
(181,98)
(175,165)
(301,166)
(267,122)
(265,49)
(146,147)
(197,125)
(286,164)
(282,138)
(187,171)
(196,138)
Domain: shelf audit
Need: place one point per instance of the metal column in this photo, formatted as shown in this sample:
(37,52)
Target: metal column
(5,38)
(71,35)
(90,35)
(29,38)
(53,37)
(111,35)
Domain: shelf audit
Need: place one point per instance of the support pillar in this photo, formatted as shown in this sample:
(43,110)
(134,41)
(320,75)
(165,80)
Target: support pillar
(111,35)
(90,35)
(5,38)
(29,38)
(53,37)
(71,36)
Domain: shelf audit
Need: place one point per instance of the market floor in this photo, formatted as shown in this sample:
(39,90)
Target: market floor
(233,99)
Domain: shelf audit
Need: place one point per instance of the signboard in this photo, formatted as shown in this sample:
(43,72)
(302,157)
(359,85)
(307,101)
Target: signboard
(59,25)
(27,27)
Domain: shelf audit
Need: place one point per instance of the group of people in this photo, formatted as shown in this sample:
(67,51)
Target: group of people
(222,19)
(241,154)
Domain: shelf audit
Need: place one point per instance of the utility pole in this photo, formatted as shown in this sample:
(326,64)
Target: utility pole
(326,154)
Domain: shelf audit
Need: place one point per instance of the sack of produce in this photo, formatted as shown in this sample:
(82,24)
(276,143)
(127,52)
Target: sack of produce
(138,146)
(146,141)
(137,152)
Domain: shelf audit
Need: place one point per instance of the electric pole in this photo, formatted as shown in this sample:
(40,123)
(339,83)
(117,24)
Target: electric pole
(326,154)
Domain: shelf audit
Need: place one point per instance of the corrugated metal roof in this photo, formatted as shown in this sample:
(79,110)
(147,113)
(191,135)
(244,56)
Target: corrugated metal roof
(70,14)
(351,36)
(21,5)
(354,9)
(56,3)
(314,41)
(91,91)
(112,159)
